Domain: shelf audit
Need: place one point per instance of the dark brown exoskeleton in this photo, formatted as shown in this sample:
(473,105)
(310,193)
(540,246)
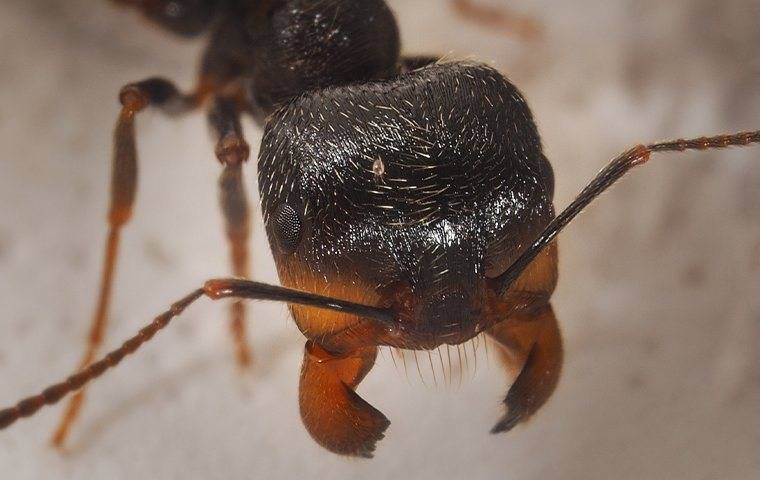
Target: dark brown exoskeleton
(407,202)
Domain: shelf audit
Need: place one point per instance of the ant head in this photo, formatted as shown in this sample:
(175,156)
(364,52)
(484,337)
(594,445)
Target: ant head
(414,191)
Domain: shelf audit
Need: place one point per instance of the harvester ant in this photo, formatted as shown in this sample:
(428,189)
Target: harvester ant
(411,194)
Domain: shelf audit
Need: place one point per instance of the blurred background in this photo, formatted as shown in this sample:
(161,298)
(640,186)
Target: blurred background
(659,295)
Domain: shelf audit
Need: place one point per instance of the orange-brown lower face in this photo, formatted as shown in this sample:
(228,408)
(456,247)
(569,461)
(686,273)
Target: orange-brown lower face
(453,314)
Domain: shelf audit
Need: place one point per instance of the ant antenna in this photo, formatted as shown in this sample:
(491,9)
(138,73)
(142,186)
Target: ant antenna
(618,167)
(213,289)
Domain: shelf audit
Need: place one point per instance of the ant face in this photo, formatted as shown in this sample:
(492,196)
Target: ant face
(363,186)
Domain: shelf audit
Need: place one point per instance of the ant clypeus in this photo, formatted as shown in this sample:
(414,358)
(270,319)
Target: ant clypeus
(412,195)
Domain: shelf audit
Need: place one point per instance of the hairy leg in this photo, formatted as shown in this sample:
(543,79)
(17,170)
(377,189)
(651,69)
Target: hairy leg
(134,98)
(232,151)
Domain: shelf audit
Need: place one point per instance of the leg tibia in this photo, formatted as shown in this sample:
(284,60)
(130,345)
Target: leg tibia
(134,98)
(232,151)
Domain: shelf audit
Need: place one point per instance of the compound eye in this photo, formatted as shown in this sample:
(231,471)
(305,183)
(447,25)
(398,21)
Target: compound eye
(288,226)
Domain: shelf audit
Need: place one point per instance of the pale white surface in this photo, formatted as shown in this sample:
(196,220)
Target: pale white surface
(660,280)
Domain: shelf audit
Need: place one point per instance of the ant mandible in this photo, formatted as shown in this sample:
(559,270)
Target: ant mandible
(411,194)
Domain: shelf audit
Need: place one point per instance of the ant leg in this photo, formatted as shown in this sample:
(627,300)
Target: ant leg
(532,340)
(232,151)
(134,98)
(508,22)
(335,416)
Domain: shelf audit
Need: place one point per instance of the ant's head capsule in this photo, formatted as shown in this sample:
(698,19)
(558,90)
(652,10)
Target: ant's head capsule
(464,184)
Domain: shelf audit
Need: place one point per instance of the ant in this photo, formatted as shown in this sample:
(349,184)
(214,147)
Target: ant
(407,202)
